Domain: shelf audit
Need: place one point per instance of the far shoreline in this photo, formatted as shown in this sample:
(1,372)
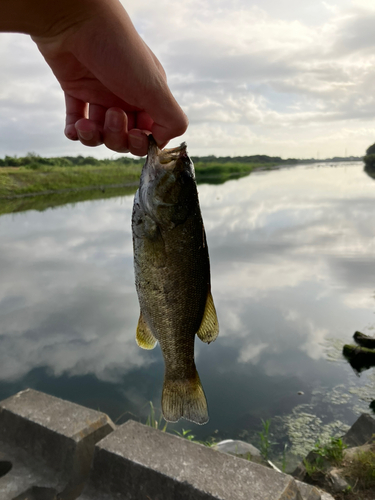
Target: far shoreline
(36,176)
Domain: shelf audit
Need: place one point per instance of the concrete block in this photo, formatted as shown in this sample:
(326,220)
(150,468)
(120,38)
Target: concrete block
(137,462)
(49,444)
(361,431)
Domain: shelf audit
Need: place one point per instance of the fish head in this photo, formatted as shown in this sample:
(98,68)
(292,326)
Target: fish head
(168,191)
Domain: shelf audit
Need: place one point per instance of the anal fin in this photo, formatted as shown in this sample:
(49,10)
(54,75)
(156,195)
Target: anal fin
(144,337)
(209,329)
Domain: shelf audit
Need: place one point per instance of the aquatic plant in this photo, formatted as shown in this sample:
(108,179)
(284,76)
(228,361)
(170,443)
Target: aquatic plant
(186,433)
(284,462)
(264,439)
(314,468)
(154,421)
(332,451)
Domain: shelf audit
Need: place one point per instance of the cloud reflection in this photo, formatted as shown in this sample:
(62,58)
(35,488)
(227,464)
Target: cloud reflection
(67,297)
(292,264)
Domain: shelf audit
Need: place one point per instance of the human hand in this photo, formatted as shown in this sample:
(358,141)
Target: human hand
(115,88)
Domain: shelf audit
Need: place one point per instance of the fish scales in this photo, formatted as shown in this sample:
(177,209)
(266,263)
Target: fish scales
(172,274)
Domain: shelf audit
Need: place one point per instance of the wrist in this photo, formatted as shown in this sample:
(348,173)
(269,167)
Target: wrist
(45,17)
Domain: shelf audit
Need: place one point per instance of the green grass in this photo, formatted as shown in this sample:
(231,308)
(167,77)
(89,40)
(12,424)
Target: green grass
(264,435)
(36,175)
(314,469)
(217,173)
(332,451)
(155,421)
(46,178)
(361,469)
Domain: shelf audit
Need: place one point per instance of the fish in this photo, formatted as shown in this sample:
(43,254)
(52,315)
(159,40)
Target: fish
(172,277)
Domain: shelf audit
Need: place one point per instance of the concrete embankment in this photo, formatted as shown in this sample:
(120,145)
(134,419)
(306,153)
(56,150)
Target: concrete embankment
(52,449)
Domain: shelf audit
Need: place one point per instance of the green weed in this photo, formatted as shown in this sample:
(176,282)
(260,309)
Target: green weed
(313,468)
(154,421)
(284,463)
(264,439)
(362,469)
(332,451)
(187,434)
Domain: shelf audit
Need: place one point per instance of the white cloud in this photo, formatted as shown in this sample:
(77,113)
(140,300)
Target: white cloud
(251,353)
(281,78)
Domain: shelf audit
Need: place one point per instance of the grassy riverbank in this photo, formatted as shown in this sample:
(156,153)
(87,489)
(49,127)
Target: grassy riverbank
(35,175)
(23,180)
(18,181)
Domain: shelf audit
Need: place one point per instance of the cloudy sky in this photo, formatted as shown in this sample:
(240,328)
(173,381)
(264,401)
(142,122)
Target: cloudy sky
(293,78)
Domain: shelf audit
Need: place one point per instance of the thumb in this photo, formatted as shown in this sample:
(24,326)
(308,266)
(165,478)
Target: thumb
(169,119)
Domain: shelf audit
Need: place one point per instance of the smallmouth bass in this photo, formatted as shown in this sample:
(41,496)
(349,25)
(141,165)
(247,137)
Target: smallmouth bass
(172,276)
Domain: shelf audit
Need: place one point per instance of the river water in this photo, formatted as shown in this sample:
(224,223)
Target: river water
(293,277)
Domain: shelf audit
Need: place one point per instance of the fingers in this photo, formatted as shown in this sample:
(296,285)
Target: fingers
(108,126)
(78,126)
(168,118)
(75,110)
(138,142)
(117,137)
(90,131)
(164,129)
(115,130)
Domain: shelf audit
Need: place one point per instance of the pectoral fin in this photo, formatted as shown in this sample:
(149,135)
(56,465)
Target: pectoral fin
(144,337)
(209,329)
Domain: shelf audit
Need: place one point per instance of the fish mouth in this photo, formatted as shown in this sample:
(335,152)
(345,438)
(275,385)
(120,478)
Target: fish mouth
(166,157)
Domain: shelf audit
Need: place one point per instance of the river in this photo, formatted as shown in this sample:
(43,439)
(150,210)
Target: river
(293,277)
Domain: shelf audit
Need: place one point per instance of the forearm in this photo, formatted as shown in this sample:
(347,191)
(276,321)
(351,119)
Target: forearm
(45,17)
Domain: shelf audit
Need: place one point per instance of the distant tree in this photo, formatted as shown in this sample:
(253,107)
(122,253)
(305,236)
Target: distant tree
(369,159)
(61,162)
(89,160)
(33,155)
(12,161)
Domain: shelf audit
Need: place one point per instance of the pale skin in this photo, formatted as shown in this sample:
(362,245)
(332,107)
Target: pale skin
(116,91)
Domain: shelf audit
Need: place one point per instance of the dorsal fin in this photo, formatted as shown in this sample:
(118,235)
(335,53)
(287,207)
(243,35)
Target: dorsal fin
(144,337)
(209,329)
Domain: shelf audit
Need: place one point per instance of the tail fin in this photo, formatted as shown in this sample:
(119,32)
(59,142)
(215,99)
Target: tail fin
(184,398)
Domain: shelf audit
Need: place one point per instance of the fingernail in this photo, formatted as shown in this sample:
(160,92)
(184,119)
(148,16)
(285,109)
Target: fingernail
(135,141)
(85,135)
(71,133)
(114,121)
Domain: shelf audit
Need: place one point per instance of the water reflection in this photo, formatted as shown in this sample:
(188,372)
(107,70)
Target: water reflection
(370,171)
(292,267)
(46,201)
